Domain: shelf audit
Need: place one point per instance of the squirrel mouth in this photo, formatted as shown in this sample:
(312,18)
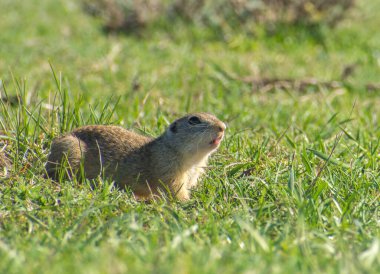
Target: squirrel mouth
(217,140)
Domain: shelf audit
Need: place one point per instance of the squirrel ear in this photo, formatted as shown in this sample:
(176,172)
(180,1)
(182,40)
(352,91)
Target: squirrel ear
(173,127)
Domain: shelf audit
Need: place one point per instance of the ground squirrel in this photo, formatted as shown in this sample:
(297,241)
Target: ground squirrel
(172,162)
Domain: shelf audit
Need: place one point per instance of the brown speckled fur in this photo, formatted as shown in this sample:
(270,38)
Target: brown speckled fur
(173,161)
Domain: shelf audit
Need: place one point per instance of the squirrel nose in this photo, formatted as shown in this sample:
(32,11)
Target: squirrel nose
(221,127)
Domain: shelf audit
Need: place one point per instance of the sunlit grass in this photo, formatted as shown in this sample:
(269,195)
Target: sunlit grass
(294,188)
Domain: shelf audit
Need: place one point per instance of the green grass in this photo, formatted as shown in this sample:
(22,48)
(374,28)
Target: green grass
(294,187)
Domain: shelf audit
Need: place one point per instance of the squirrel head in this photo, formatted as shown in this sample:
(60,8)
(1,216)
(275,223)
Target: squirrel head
(196,134)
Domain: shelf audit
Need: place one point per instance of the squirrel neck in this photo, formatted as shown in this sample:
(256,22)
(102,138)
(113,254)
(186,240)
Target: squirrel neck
(168,156)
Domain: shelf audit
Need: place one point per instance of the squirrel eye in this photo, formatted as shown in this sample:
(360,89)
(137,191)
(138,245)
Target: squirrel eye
(194,120)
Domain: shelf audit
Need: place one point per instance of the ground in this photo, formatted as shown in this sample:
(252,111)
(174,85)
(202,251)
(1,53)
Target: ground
(294,188)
